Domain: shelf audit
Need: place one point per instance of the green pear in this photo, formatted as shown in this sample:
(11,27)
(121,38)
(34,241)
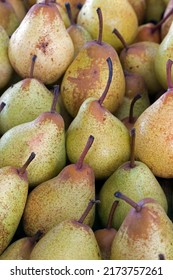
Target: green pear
(13,196)
(136,180)
(5,66)
(145,234)
(111,145)
(155,9)
(21,248)
(46,136)
(115,14)
(25,101)
(63,197)
(69,240)
(154,133)
(87,75)
(43,33)
(8,17)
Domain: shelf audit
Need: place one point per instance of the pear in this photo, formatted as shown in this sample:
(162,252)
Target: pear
(154,133)
(25,101)
(21,248)
(69,240)
(78,33)
(166,25)
(136,180)
(154,10)
(106,235)
(140,58)
(87,75)
(13,195)
(111,145)
(46,136)
(115,14)
(145,233)
(5,66)
(43,33)
(47,204)
(140,9)
(8,18)
(135,84)
(19,8)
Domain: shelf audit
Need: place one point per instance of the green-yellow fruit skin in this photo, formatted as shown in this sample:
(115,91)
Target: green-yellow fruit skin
(87,76)
(153,144)
(63,197)
(8,17)
(115,14)
(67,241)
(45,137)
(41,33)
(163,54)
(137,183)
(5,66)
(155,9)
(144,235)
(13,195)
(111,145)
(24,101)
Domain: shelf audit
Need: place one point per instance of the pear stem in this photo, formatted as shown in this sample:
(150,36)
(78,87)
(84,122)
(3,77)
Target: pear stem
(55,99)
(159,24)
(161,257)
(103,96)
(132,148)
(2,105)
(100,17)
(22,170)
(128,200)
(87,210)
(168,71)
(111,214)
(69,13)
(36,236)
(32,66)
(80,161)
(131,118)
(120,37)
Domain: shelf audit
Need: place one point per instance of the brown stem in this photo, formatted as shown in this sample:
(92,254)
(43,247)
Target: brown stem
(128,200)
(131,118)
(120,37)
(80,161)
(36,236)
(32,66)
(55,99)
(24,167)
(100,17)
(2,105)
(132,148)
(159,24)
(111,214)
(87,210)
(69,13)
(168,71)
(103,96)
(161,257)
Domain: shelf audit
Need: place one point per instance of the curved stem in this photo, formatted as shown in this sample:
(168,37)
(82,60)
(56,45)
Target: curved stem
(111,214)
(87,210)
(69,13)
(120,37)
(55,99)
(100,17)
(80,161)
(24,167)
(132,148)
(103,96)
(168,72)
(2,105)
(159,24)
(131,118)
(32,66)
(128,200)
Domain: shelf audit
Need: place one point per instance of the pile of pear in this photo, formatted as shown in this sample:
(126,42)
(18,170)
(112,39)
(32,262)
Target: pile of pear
(86,130)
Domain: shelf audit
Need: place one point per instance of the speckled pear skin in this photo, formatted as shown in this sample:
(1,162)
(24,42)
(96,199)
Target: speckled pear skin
(87,75)
(111,145)
(25,101)
(137,183)
(41,33)
(154,134)
(45,137)
(144,235)
(63,197)
(13,195)
(69,240)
